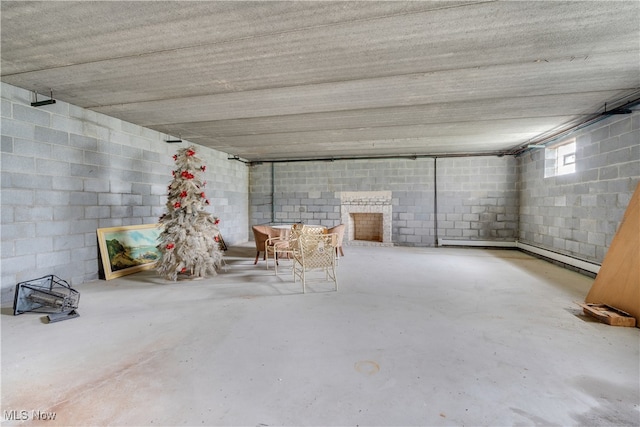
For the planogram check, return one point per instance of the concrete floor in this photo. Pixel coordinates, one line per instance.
(414, 336)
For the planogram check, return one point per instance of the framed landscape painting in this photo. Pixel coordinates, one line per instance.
(128, 249)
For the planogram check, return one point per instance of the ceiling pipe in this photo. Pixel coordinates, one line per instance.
(622, 109)
(390, 157)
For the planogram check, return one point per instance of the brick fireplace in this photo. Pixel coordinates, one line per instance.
(367, 217)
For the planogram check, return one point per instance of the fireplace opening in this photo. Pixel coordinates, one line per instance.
(367, 217)
(367, 226)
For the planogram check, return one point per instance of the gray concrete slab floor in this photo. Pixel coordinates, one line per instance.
(414, 336)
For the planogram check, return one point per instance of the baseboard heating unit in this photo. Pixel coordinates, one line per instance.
(565, 259)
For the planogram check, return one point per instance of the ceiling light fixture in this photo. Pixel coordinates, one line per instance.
(619, 110)
(37, 103)
(172, 141)
(237, 158)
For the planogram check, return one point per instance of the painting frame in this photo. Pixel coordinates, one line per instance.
(142, 233)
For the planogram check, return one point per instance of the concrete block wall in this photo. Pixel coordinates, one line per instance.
(478, 198)
(477, 195)
(66, 171)
(578, 214)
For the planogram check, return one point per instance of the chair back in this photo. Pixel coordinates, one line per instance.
(339, 231)
(313, 229)
(317, 250)
(261, 233)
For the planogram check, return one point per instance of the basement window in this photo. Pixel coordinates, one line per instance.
(560, 159)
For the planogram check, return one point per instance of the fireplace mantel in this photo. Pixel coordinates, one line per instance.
(354, 202)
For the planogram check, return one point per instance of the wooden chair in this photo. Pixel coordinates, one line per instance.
(261, 234)
(285, 245)
(339, 231)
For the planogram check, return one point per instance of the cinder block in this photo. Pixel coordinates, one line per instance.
(96, 212)
(32, 115)
(18, 129)
(29, 181)
(7, 249)
(33, 246)
(454, 232)
(142, 189)
(598, 239)
(94, 185)
(66, 154)
(15, 266)
(6, 108)
(55, 228)
(620, 127)
(109, 222)
(6, 145)
(52, 259)
(85, 226)
(53, 136)
(469, 233)
(618, 156)
(17, 163)
(67, 213)
(120, 187)
(111, 199)
(52, 167)
(132, 152)
(97, 158)
(66, 123)
(83, 198)
(413, 239)
(71, 241)
(137, 176)
(51, 197)
(66, 183)
(588, 250)
(88, 171)
(121, 211)
(33, 214)
(131, 199)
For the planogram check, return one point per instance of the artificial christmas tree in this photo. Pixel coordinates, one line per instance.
(190, 239)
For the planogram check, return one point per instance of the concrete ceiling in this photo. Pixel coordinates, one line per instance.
(310, 80)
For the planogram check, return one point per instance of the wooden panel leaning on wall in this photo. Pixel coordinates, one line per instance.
(618, 281)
